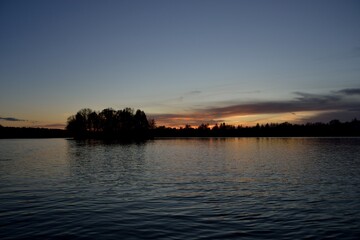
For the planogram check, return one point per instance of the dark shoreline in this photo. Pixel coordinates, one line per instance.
(26, 132)
(334, 128)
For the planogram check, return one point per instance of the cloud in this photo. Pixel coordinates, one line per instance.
(12, 119)
(315, 98)
(303, 102)
(346, 115)
(189, 94)
(349, 91)
(52, 126)
(335, 103)
(193, 92)
(55, 125)
(182, 98)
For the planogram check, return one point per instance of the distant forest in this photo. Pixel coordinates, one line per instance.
(27, 132)
(334, 128)
(128, 124)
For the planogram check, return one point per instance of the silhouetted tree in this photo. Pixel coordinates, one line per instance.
(107, 122)
(94, 122)
(152, 124)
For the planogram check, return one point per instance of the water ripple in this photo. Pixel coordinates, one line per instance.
(302, 188)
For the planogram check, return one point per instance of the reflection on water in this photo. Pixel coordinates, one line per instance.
(211, 188)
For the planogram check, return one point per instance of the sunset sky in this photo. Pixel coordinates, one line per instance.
(182, 62)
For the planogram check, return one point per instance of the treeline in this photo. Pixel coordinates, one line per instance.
(333, 128)
(128, 124)
(123, 124)
(26, 132)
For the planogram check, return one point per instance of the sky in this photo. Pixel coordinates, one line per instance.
(240, 62)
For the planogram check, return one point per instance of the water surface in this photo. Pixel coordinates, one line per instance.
(212, 188)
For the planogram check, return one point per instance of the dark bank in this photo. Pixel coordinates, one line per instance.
(131, 125)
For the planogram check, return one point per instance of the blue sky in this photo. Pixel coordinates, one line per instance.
(181, 62)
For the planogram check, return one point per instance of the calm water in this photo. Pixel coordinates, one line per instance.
(255, 188)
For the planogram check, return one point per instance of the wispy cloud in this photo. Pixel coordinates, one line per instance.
(195, 92)
(316, 98)
(53, 126)
(302, 102)
(349, 91)
(12, 119)
(335, 102)
(346, 115)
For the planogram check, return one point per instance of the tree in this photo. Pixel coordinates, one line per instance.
(107, 117)
(140, 120)
(152, 124)
(94, 122)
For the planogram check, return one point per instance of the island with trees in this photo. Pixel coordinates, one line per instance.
(125, 124)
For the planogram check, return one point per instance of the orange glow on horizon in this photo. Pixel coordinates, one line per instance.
(240, 120)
